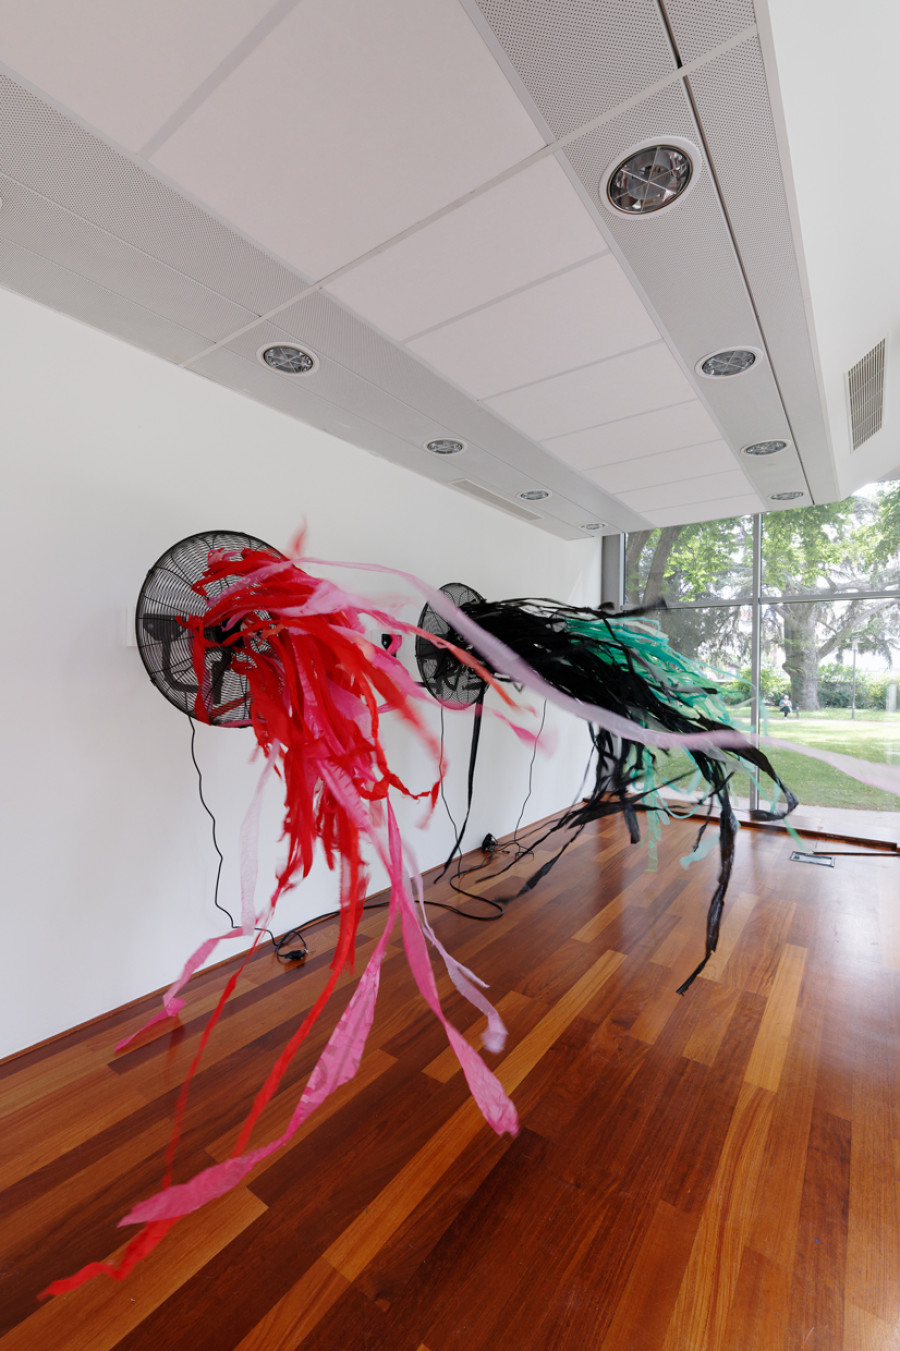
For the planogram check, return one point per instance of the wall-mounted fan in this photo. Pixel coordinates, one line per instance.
(168, 597)
(444, 675)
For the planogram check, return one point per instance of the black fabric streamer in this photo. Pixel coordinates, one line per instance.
(628, 668)
(477, 712)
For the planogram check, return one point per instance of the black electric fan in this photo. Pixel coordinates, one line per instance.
(443, 674)
(448, 679)
(166, 598)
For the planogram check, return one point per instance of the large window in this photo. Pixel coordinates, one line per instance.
(800, 605)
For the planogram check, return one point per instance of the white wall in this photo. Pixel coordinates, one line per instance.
(110, 456)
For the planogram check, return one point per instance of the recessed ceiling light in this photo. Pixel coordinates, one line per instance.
(594, 525)
(730, 361)
(445, 447)
(534, 495)
(288, 358)
(765, 448)
(649, 178)
(785, 497)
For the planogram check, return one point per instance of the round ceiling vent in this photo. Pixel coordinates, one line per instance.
(445, 447)
(650, 177)
(534, 495)
(730, 361)
(785, 497)
(593, 525)
(288, 358)
(765, 448)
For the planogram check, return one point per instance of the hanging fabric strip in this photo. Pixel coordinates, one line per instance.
(317, 685)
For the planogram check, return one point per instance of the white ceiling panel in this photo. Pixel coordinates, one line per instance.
(322, 157)
(509, 236)
(703, 488)
(123, 65)
(712, 458)
(473, 282)
(70, 167)
(720, 509)
(587, 314)
(685, 424)
(620, 387)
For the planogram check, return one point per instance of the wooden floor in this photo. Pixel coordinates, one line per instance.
(713, 1171)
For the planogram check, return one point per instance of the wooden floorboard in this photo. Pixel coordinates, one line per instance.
(698, 1173)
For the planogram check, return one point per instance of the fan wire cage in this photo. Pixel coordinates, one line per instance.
(166, 599)
(443, 674)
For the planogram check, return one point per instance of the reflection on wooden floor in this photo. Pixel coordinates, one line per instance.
(713, 1171)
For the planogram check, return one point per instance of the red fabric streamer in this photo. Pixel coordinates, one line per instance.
(317, 687)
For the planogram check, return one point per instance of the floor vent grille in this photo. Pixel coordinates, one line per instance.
(865, 384)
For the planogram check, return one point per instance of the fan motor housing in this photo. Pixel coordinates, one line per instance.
(168, 598)
(444, 676)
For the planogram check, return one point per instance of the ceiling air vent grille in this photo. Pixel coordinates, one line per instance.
(865, 383)
(494, 499)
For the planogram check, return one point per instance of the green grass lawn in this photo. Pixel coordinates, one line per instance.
(873, 735)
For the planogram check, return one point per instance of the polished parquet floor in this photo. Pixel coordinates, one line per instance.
(713, 1171)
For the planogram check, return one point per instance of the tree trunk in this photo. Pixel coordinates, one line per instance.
(668, 538)
(634, 547)
(800, 656)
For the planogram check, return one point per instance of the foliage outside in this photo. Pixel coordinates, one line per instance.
(814, 559)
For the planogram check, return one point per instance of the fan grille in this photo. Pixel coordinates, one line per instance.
(167, 597)
(443, 675)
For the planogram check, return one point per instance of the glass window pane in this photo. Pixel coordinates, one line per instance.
(719, 638)
(710, 560)
(846, 546)
(839, 663)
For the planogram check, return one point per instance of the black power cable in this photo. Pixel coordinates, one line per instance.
(292, 955)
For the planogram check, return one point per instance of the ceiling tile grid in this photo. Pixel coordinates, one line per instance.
(680, 424)
(516, 232)
(41, 226)
(624, 385)
(340, 386)
(331, 330)
(685, 259)
(721, 509)
(675, 253)
(341, 401)
(56, 157)
(136, 63)
(45, 281)
(698, 26)
(710, 457)
(236, 373)
(477, 286)
(762, 230)
(568, 53)
(585, 315)
(687, 492)
(381, 139)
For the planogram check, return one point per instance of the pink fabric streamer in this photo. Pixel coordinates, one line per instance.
(336, 1065)
(315, 680)
(341, 1057)
(502, 658)
(171, 1004)
(493, 1038)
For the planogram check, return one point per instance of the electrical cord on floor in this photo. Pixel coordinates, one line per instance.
(530, 773)
(491, 848)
